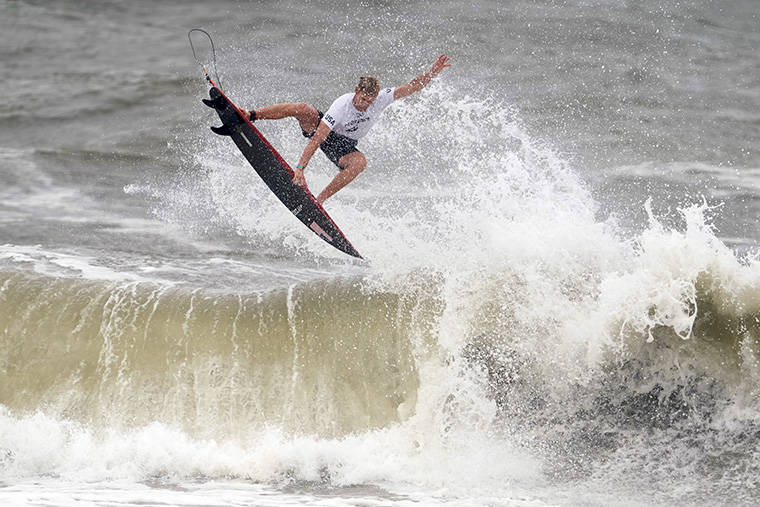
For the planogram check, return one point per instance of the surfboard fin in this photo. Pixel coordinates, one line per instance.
(217, 103)
(224, 130)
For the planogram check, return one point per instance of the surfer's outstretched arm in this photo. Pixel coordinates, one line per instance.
(320, 135)
(421, 81)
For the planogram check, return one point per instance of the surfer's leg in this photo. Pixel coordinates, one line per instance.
(353, 163)
(306, 114)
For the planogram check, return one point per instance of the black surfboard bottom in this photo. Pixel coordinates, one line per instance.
(275, 172)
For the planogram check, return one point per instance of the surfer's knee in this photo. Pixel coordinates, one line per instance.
(361, 161)
(356, 162)
(307, 116)
(304, 111)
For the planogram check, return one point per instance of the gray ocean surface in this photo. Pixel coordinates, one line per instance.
(560, 302)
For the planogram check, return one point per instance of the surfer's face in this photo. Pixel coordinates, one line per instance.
(362, 100)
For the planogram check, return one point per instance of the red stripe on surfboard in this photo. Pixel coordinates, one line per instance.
(287, 167)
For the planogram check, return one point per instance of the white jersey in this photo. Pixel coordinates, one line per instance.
(343, 118)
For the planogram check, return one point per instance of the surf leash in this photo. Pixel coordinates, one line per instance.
(213, 55)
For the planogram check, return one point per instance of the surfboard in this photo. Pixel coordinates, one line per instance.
(275, 172)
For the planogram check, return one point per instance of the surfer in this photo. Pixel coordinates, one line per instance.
(348, 119)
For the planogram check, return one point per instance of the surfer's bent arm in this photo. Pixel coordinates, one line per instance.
(421, 81)
(319, 136)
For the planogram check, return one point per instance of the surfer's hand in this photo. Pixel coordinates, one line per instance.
(298, 177)
(440, 63)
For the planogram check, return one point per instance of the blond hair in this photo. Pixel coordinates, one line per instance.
(369, 85)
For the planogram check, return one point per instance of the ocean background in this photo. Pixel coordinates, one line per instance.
(560, 302)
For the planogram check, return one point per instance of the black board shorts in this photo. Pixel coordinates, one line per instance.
(335, 145)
